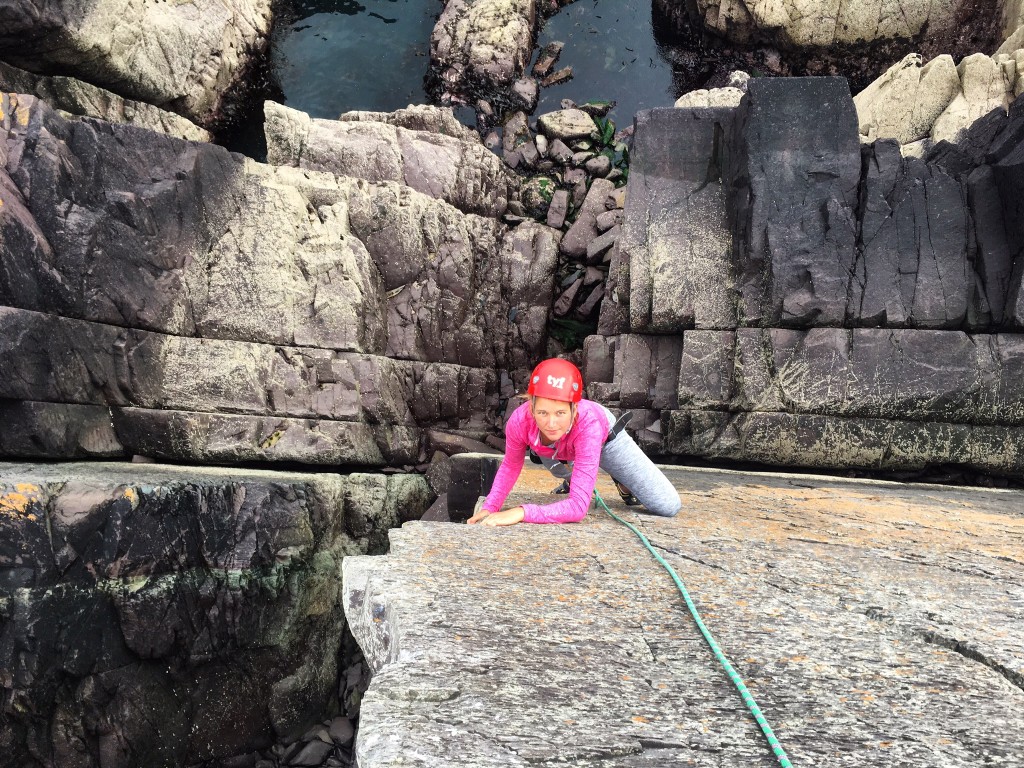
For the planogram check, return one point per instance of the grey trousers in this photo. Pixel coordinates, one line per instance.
(624, 460)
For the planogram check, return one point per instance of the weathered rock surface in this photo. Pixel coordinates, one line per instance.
(480, 47)
(866, 618)
(169, 616)
(812, 24)
(817, 303)
(676, 236)
(224, 379)
(460, 171)
(939, 100)
(224, 268)
(78, 98)
(181, 57)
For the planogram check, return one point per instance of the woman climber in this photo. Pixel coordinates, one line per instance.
(557, 425)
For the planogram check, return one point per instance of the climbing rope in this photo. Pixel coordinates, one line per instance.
(780, 753)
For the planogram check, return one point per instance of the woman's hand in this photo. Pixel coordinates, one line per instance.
(505, 517)
(478, 516)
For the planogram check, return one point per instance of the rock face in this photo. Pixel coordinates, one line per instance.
(169, 616)
(458, 170)
(859, 614)
(188, 264)
(813, 24)
(178, 56)
(782, 295)
(75, 97)
(939, 100)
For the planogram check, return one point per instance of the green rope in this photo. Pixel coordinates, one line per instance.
(755, 710)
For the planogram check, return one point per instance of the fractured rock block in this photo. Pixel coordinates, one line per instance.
(458, 170)
(676, 234)
(797, 167)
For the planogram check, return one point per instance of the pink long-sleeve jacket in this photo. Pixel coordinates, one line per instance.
(582, 445)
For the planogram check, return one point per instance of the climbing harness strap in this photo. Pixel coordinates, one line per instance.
(748, 699)
(618, 426)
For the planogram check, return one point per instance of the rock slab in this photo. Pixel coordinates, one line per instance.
(868, 619)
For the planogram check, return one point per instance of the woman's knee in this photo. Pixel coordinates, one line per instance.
(669, 508)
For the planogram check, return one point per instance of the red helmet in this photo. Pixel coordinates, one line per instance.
(556, 379)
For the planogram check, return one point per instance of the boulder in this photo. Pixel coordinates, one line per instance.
(567, 124)
(181, 57)
(460, 171)
(904, 103)
(418, 117)
(814, 25)
(715, 97)
(159, 615)
(480, 47)
(78, 98)
(983, 88)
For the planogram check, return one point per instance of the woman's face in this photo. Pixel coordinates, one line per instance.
(553, 417)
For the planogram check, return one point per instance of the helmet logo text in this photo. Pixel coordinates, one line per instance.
(558, 383)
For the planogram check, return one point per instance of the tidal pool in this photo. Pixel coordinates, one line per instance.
(341, 55)
(333, 56)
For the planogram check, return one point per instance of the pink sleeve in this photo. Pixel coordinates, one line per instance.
(511, 463)
(581, 485)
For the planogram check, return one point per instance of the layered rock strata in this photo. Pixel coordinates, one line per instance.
(874, 623)
(780, 294)
(180, 267)
(171, 616)
(181, 57)
(77, 98)
(455, 169)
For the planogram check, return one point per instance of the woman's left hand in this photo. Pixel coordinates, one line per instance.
(505, 517)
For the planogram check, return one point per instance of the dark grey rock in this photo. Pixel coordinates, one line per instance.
(797, 167)
(598, 166)
(584, 229)
(597, 249)
(676, 239)
(191, 613)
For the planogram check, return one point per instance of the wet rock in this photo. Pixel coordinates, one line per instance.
(478, 48)
(524, 93)
(177, 57)
(597, 108)
(547, 57)
(516, 131)
(79, 98)
(567, 124)
(37, 430)
(562, 75)
(460, 171)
